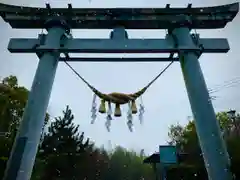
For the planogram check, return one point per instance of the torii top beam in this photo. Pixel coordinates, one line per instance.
(130, 18)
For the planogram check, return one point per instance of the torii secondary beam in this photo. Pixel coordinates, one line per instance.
(117, 59)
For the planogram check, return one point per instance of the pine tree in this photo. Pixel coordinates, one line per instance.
(63, 148)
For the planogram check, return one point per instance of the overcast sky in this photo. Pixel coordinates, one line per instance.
(166, 101)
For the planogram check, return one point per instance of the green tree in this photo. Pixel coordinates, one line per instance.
(94, 164)
(13, 99)
(186, 140)
(128, 165)
(63, 148)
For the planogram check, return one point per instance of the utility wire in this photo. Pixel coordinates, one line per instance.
(225, 87)
(228, 84)
(236, 79)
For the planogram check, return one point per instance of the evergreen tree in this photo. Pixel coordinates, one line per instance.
(63, 148)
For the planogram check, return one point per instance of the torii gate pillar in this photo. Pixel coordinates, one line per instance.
(213, 148)
(23, 154)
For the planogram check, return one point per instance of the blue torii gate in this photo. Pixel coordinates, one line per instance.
(189, 47)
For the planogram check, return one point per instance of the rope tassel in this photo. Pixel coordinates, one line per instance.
(102, 108)
(134, 107)
(117, 112)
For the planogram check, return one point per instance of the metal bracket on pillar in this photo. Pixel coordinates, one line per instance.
(42, 39)
(172, 38)
(119, 33)
(196, 38)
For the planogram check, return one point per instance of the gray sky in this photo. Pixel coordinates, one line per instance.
(166, 101)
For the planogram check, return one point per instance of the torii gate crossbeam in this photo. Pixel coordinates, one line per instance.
(178, 22)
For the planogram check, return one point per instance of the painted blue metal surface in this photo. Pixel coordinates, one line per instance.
(33, 118)
(109, 59)
(213, 148)
(119, 46)
(168, 155)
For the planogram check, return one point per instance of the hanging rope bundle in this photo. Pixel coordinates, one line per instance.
(118, 99)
